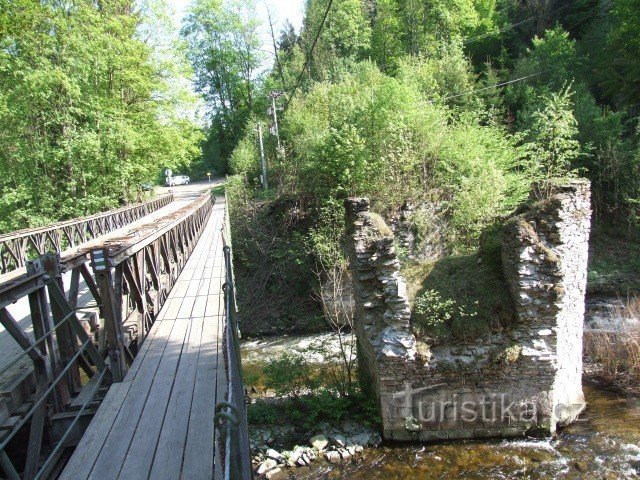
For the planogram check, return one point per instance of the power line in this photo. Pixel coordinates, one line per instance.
(515, 80)
(527, 20)
(310, 53)
(503, 29)
(497, 85)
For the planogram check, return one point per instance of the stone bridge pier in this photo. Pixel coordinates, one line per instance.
(459, 390)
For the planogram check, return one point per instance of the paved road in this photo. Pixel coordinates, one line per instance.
(9, 349)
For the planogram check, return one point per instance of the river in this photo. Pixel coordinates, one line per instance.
(603, 444)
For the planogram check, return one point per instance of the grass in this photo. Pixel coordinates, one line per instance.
(380, 225)
(469, 291)
(218, 190)
(614, 264)
(617, 351)
(306, 412)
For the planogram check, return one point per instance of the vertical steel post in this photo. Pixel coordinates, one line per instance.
(67, 344)
(112, 324)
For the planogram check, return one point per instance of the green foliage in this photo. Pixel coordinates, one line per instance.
(345, 37)
(445, 77)
(224, 49)
(263, 413)
(551, 62)
(553, 146)
(288, 374)
(432, 312)
(427, 23)
(448, 300)
(308, 411)
(245, 158)
(623, 63)
(374, 135)
(326, 237)
(90, 107)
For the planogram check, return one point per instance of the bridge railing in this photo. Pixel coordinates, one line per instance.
(16, 247)
(231, 415)
(64, 364)
(56, 401)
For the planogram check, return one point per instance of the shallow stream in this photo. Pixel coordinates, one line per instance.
(603, 444)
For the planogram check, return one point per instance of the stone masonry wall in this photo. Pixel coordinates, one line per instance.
(510, 383)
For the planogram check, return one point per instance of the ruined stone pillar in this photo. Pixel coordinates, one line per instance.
(544, 256)
(513, 381)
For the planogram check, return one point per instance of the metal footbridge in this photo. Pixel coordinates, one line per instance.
(118, 346)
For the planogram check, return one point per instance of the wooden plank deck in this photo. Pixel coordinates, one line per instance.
(158, 422)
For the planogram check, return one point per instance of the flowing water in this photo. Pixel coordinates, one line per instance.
(603, 444)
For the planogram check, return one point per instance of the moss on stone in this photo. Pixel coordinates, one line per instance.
(509, 355)
(380, 225)
(474, 282)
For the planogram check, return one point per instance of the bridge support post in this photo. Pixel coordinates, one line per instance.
(112, 325)
(67, 344)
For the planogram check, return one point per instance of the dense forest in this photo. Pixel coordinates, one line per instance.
(91, 106)
(456, 107)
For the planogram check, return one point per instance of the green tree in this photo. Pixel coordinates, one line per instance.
(620, 76)
(87, 109)
(386, 35)
(345, 37)
(553, 146)
(224, 49)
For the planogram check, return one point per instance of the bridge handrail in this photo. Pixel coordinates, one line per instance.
(232, 414)
(15, 246)
(145, 267)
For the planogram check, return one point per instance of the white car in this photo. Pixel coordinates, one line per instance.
(177, 180)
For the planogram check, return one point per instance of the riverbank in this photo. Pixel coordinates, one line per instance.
(606, 439)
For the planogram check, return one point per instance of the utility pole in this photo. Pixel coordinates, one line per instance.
(265, 185)
(273, 129)
(274, 115)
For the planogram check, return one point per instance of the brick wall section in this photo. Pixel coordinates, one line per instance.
(470, 390)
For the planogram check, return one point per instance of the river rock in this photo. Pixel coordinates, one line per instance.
(319, 442)
(268, 464)
(272, 472)
(375, 440)
(295, 455)
(361, 439)
(275, 455)
(344, 453)
(333, 456)
(338, 440)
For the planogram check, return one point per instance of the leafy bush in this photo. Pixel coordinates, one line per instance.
(373, 135)
(289, 374)
(245, 158)
(433, 312)
(263, 413)
(448, 300)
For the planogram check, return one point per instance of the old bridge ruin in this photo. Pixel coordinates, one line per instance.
(459, 390)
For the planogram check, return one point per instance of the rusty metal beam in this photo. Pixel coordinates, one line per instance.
(14, 246)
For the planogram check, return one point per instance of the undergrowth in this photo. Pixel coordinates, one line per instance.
(616, 350)
(460, 296)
